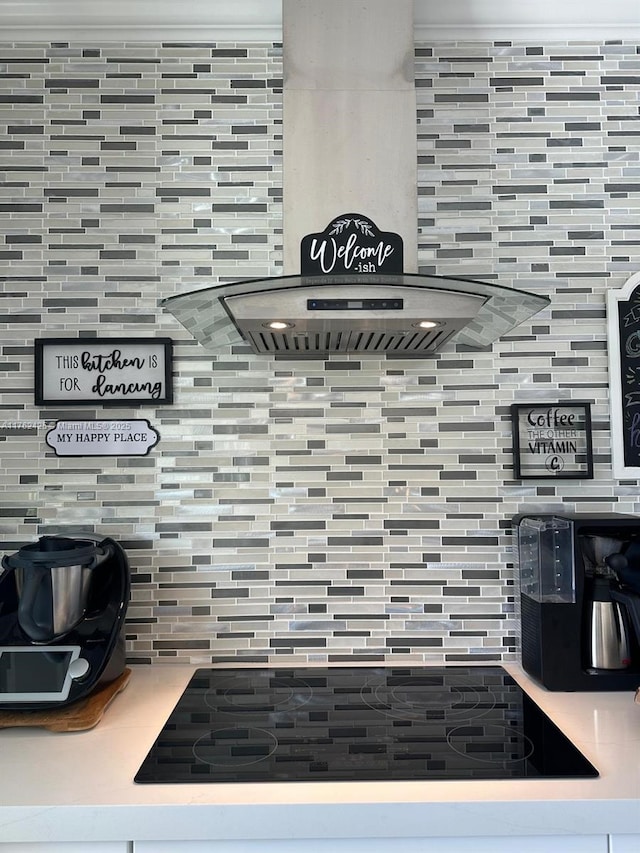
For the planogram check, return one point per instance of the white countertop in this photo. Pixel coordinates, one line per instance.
(79, 786)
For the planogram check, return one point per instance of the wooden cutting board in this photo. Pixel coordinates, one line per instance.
(76, 717)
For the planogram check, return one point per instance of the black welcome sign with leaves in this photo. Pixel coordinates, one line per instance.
(351, 244)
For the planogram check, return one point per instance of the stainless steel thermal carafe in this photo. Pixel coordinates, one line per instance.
(608, 634)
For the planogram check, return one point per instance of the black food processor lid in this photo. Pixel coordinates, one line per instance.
(54, 551)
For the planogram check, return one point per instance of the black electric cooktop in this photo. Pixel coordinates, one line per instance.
(357, 724)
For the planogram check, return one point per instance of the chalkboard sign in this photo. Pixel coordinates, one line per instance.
(352, 244)
(623, 319)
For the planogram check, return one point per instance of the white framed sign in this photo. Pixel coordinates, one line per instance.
(102, 438)
(109, 371)
(623, 331)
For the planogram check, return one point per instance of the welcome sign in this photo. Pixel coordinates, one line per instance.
(351, 244)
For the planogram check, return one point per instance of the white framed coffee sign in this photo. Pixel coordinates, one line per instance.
(108, 371)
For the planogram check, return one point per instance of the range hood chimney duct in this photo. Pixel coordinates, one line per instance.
(350, 144)
(350, 123)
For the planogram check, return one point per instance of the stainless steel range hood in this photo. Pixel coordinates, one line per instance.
(350, 143)
(470, 312)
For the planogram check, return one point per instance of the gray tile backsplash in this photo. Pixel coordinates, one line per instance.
(339, 510)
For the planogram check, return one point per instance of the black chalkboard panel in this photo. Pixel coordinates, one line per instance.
(629, 326)
(623, 309)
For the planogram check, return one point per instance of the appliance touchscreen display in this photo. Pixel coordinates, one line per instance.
(37, 673)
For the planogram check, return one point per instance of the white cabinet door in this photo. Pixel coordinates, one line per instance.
(503, 844)
(625, 843)
(66, 847)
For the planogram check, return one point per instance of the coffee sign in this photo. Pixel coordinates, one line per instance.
(108, 371)
(351, 244)
(552, 440)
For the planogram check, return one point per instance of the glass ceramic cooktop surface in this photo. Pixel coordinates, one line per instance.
(356, 724)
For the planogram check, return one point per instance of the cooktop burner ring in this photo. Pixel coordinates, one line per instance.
(245, 694)
(428, 696)
(214, 747)
(477, 743)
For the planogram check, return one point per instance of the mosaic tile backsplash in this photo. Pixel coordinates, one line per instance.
(353, 509)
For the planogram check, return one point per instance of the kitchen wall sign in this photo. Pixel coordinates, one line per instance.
(109, 371)
(623, 322)
(552, 440)
(351, 243)
(102, 438)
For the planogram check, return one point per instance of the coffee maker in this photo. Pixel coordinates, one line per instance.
(580, 600)
(63, 603)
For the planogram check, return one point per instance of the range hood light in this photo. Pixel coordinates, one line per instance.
(278, 325)
(428, 324)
